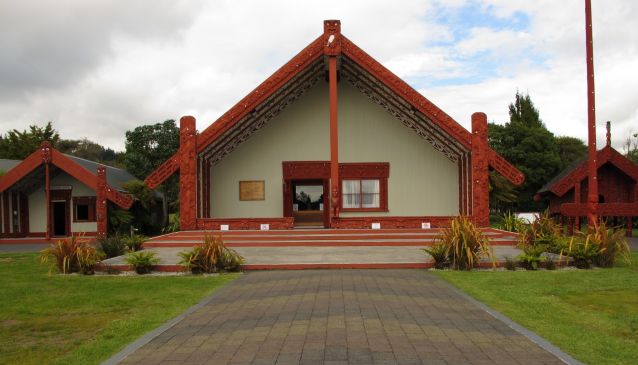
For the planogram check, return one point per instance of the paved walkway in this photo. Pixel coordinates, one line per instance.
(340, 317)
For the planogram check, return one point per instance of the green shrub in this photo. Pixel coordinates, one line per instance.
(134, 242)
(466, 244)
(440, 254)
(543, 231)
(531, 256)
(210, 256)
(583, 252)
(510, 222)
(550, 264)
(73, 254)
(511, 263)
(173, 223)
(113, 246)
(142, 261)
(612, 244)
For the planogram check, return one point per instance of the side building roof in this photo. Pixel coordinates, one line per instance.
(82, 170)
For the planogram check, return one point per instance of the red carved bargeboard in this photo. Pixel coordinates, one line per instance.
(480, 183)
(604, 209)
(389, 222)
(187, 174)
(244, 223)
(100, 202)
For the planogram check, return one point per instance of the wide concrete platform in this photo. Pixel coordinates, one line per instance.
(263, 258)
(340, 317)
(318, 248)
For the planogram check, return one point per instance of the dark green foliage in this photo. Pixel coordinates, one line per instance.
(440, 254)
(134, 243)
(71, 255)
(583, 252)
(511, 263)
(503, 194)
(142, 261)
(611, 241)
(147, 147)
(210, 256)
(570, 149)
(550, 264)
(88, 150)
(119, 220)
(147, 211)
(531, 256)
(113, 246)
(465, 243)
(18, 145)
(525, 142)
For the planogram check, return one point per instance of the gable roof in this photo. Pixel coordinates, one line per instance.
(577, 171)
(6, 165)
(115, 177)
(83, 170)
(300, 73)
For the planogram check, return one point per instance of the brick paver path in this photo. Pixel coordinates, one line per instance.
(340, 317)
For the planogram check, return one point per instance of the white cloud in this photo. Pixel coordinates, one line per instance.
(100, 68)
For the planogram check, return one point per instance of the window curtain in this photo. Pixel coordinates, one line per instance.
(370, 194)
(351, 194)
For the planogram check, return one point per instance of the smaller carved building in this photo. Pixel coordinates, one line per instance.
(617, 189)
(50, 194)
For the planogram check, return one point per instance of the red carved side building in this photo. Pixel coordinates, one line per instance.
(617, 189)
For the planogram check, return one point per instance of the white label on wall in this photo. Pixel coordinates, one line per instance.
(320, 206)
(295, 207)
(224, 227)
(425, 225)
(376, 225)
(265, 227)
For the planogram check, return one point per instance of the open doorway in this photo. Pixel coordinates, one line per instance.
(60, 218)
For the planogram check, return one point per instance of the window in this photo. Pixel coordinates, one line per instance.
(84, 209)
(361, 194)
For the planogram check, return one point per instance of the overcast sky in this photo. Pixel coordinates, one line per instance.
(99, 68)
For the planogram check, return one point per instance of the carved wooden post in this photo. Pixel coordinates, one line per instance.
(332, 49)
(592, 166)
(578, 201)
(187, 174)
(480, 187)
(101, 202)
(45, 153)
(629, 226)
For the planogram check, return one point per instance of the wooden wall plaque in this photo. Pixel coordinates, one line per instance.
(252, 190)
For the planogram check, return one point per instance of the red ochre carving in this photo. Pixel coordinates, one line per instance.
(245, 223)
(480, 187)
(187, 173)
(100, 201)
(389, 222)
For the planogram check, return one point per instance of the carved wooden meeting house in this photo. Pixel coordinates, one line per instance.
(332, 139)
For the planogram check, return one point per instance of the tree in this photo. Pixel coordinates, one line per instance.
(16, 145)
(525, 142)
(87, 149)
(570, 149)
(147, 147)
(631, 147)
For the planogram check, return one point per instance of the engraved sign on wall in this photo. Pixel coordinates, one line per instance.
(252, 190)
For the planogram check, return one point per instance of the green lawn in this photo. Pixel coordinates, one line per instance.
(72, 319)
(590, 314)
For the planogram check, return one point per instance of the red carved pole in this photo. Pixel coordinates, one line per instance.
(187, 173)
(101, 202)
(578, 200)
(608, 134)
(592, 196)
(332, 48)
(480, 187)
(45, 152)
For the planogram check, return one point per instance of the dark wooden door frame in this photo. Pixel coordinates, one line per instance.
(58, 196)
(299, 171)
